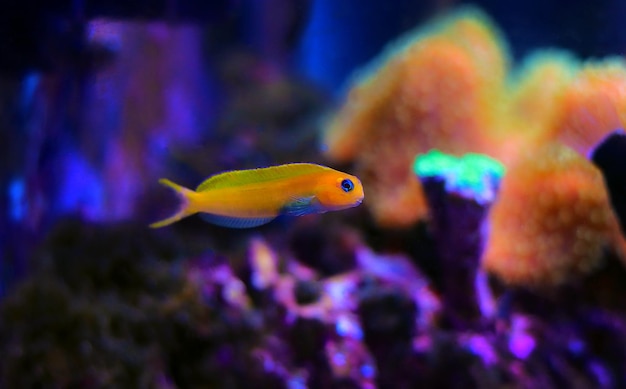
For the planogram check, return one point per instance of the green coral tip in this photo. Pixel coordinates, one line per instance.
(473, 175)
(433, 163)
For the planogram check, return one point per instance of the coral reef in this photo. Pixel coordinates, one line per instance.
(350, 301)
(398, 112)
(537, 86)
(108, 310)
(459, 193)
(534, 91)
(126, 307)
(593, 105)
(552, 219)
(448, 86)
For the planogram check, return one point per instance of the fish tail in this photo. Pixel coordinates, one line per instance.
(185, 209)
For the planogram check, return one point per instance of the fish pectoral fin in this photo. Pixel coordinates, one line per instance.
(302, 206)
(235, 222)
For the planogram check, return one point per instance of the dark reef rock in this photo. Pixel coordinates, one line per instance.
(329, 250)
(610, 157)
(115, 307)
(307, 292)
(122, 306)
(388, 319)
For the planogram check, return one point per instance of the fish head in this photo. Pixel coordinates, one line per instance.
(339, 191)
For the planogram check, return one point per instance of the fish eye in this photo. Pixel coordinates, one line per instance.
(347, 185)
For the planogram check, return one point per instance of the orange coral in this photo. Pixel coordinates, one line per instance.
(347, 129)
(594, 104)
(534, 93)
(539, 86)
(532, 96)
(438, 91)
(551, 221)
(445, 87)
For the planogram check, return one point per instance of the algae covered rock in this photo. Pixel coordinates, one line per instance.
(113, 307)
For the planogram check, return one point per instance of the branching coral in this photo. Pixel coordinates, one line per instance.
(438, 89)
(551, 221)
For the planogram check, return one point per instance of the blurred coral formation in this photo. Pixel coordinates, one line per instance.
(440, 87)
(489, 251)
(558, 234)
(447, 86)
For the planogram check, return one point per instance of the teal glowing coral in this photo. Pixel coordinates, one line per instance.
(473, 175)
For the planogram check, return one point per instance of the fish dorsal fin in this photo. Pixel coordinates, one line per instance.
(243, 177)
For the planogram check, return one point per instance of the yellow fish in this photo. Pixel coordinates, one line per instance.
(250, 198)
